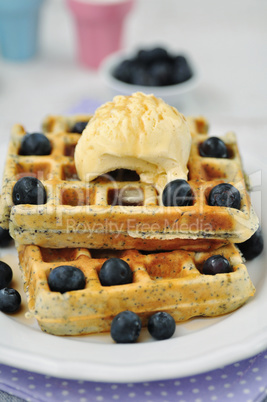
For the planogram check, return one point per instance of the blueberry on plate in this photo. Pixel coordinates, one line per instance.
(35, 144)
(79, 126)
(115, 271)
(10, 300)
(125, 327)
(5, 238)
(216, 264)
(225, 195)
(177, 193)
(66, 278)
(213, 147)
(29, 190)
(252, 247)
(6, 275)
(161, 325)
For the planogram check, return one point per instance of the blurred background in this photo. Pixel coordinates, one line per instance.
(227, 42)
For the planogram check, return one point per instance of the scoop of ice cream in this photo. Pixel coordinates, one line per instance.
(138, 132)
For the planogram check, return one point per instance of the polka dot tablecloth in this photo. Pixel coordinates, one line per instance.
(245, 381)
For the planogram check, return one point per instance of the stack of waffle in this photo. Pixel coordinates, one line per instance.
(83, 224)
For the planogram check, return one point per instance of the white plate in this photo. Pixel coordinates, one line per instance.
(197, 346)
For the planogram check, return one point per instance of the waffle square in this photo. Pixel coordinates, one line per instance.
(168, 281)
(118, 211)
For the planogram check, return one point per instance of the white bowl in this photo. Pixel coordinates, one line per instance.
(169, 93)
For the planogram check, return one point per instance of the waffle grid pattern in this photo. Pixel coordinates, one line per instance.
(168, 281)
(86, 214)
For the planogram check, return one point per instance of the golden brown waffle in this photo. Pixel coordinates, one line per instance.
(121, 213)
(170, 281)
(54, 124)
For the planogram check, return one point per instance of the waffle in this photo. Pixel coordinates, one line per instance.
(55, 123)
(169, 281)
(119, 211)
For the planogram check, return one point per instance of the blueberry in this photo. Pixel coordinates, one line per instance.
(29, 190)
(182, 71)
(10, 300)
(177, 193)
(252, 247)
(216, 264)
(125, 327)
(115, 271)
(6, 275)
(35, 144)
(213, 147)
(151, 55)
(123, 71)
(79, 126)
(140, 76)
(224, 195)
(132, 72)
(153, 67)
(5, 238)
(161, 73)
(161, 325)
(66, 278)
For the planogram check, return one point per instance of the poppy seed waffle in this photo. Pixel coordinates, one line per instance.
(119, 211)
(169, 281)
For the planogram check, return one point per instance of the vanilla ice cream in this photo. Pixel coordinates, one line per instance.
(138, 132)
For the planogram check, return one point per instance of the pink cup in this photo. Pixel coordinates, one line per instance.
(99, 28)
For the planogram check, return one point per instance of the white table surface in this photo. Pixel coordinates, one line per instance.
(227, 40)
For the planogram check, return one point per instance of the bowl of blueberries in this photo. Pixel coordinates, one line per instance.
(155, 70)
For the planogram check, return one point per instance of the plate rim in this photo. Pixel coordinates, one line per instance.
(65, 365)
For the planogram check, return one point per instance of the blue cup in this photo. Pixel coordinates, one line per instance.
(19, 22)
